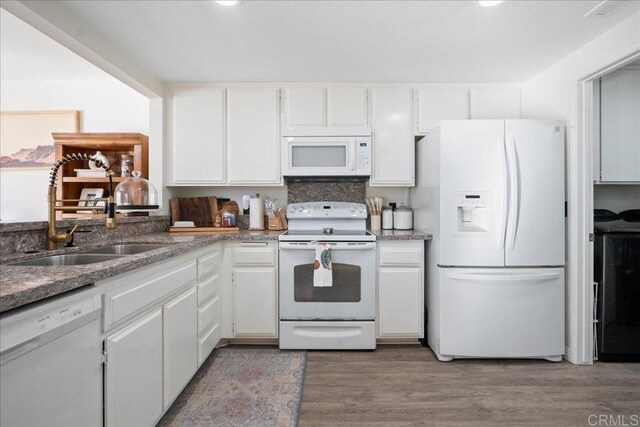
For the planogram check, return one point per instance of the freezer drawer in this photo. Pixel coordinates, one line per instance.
(502, 312)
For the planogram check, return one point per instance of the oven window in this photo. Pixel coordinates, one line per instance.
(346, 284)
(309, 156)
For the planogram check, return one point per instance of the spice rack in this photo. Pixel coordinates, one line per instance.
(112, 145)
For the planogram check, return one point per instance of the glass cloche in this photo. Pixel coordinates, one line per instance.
(135, 194)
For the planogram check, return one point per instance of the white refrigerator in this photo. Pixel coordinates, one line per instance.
(492, 194)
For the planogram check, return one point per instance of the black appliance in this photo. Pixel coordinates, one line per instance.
(617, 277)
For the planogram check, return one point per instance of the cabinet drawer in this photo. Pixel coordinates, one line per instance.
(207, 314)
(120, 303)
(208, 288)
(254, 256)
(398, 255)
(208, 263)
(208, 342)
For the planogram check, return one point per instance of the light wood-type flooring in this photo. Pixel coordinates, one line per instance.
(395, 386)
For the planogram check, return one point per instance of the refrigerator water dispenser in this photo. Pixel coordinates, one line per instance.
(471, 213)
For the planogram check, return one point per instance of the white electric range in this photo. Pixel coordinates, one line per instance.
(341, 316)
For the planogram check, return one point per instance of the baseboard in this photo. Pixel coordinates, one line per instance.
(397, 341)
(249, 341)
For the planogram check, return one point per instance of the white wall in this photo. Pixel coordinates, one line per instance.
(106, 105)
(554, 94)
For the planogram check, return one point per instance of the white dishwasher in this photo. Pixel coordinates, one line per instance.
(50, 363)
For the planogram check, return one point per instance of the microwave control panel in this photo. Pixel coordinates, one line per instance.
(363, 156)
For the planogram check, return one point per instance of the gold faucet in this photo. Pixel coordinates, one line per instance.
(53, 237)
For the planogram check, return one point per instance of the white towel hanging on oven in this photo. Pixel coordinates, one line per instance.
(322, 273)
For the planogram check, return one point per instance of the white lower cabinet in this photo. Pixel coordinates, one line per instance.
(133, 376)
(180, 343)
(157, 334)
(400, 289)
(255, 301)
(253, 290)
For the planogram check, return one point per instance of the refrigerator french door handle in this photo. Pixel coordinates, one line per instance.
(505, 191)
(514, 192)
(504, 277)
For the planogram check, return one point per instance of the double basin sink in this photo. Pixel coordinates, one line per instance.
(91, 256)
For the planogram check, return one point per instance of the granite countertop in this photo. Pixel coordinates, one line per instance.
(401, 235)
(21, 285)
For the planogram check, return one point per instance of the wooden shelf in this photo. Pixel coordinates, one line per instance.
(112, 145)
(89, 179)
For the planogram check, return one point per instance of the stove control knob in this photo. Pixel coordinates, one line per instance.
(292, 208)
(301, 209)
(361, 209)
(352, 208)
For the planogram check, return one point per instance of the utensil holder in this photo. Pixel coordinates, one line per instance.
(375, 222)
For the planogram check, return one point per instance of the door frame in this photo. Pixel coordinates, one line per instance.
(584, 349)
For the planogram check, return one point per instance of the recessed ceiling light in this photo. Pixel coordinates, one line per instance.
(228, 2)
(489, 3)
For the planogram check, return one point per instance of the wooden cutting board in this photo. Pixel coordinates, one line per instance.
(203, 229)
(201, 210)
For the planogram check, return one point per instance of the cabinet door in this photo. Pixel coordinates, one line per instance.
(495, 103)
(255, 302)
(134, 373)
(180, 343)
(434, 105)
(253, 141)
(400, 302)
(392, 137)
(620, 126)
(304, 106)
(347, 106)
(198, 135)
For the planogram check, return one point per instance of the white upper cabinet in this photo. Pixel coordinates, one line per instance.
(495, 103)
(320, 107)
(347, 106)
(620, 126)
(198, 135)
(253, 136)
(304, 106)
(433, 105)
(393, 146)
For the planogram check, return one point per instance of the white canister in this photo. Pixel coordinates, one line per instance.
(387, 218)
(403, 218)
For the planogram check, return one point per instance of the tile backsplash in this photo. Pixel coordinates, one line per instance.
(300, 192)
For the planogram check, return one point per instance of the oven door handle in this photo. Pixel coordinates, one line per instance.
(335, 246)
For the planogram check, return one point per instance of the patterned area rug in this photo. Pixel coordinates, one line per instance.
(242, 386)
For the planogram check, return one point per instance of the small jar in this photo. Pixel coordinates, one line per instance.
(387, 218)
(228, 219)
(126, 166)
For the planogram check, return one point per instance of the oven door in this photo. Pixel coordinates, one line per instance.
(318, 156)
(352, 295)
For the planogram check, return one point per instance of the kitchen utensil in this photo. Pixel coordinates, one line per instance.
(403, 218)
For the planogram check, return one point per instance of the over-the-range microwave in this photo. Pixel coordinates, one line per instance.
(326, 155)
